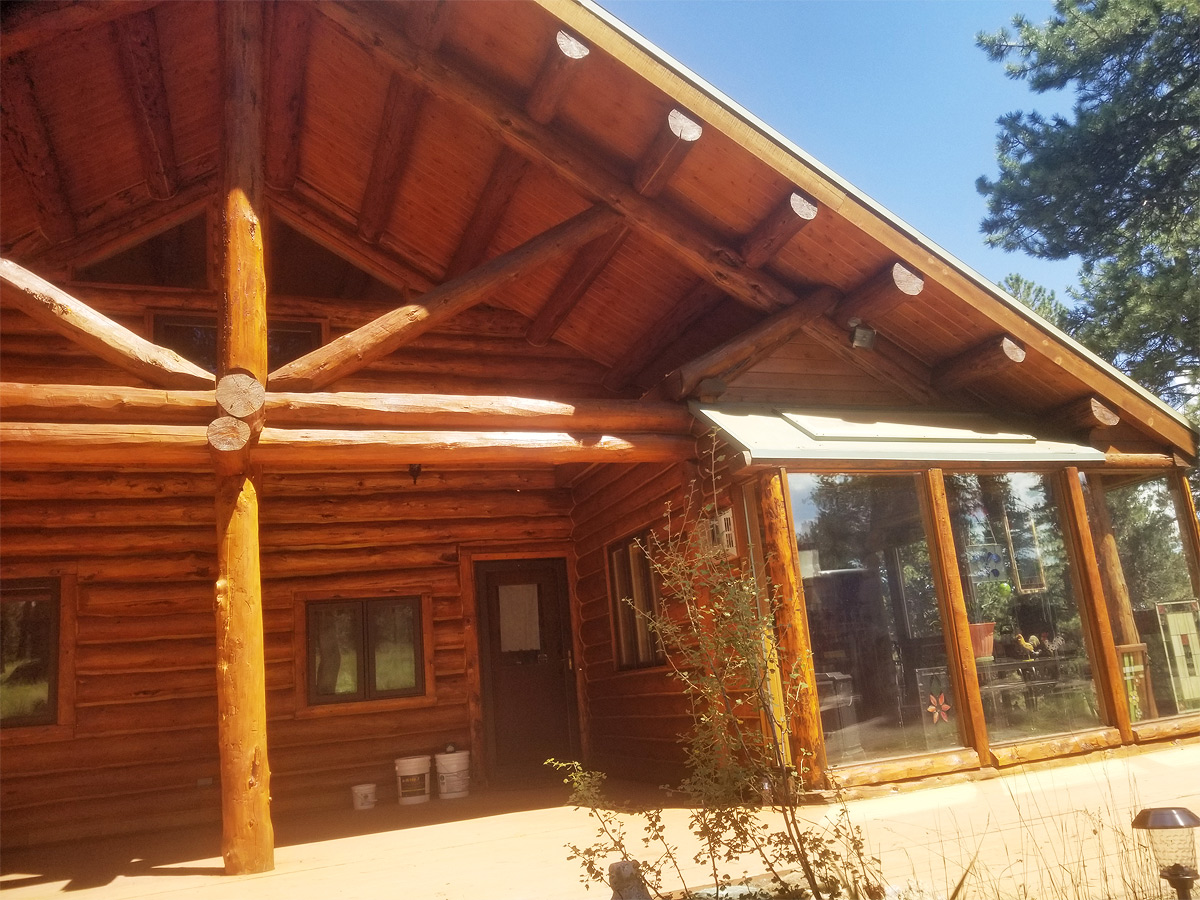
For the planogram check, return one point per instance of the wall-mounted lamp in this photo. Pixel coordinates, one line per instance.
(1173, 844)
(862, 336)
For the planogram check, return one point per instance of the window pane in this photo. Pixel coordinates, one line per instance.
(28, 655)
(633, 601)
(1155, 617)
(878, 648)
(334, 639)
(394, 629)
(1034, 673)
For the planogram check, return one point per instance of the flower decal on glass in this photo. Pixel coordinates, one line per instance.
(938, 707)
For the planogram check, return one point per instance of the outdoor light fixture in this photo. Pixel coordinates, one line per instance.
(1173, 844)
(862, 337)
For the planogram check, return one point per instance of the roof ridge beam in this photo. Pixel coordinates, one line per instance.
(558, 68)
(136, 37)
(364, 345)
(114, 343)
(25, 134)
(703, 253)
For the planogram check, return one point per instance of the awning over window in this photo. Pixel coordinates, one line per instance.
(780, 435)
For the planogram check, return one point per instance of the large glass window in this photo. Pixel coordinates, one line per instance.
(1027, 637)
(29, 652)
(877, 638)
(364, 649)
(1155, 615)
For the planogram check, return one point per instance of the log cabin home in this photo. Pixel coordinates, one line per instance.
(349, 349)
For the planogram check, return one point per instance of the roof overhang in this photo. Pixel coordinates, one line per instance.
(783, 436)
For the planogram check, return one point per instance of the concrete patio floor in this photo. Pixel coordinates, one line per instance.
(1057, 832)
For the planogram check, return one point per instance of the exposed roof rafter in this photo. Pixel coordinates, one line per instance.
(136, 37)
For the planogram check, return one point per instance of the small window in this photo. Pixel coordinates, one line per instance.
(29, 652)
(370, 649)
(194, 337)
(634, 601)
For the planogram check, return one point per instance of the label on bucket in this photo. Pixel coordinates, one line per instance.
(412, 785)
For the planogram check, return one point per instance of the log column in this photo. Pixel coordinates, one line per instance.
(247, 837)
(791, 619)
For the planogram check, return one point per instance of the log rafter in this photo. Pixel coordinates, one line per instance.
(397, 130)
(892, 285)
(112, 342)
(364, 345)
(988, 358)
(561, 64)
(291, 28)
(675, 139)
(136, 38)
(704, 254)
(30, 25)
(25, 134)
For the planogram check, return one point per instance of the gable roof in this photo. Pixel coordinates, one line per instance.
(417, 140)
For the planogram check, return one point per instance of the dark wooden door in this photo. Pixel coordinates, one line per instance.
(528, 677)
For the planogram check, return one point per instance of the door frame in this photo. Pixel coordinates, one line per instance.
(468, 556)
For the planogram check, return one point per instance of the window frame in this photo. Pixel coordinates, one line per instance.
(62, 725)
(642, 649)
(307, 706)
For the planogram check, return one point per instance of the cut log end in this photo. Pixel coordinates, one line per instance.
(907, 280)
(570, 46)
(804, 206)
(241, 395)
(229, 435)
(683, 127)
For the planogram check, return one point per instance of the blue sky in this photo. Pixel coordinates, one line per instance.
(893, 95)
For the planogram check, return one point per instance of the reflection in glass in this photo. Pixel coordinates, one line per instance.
(335, 638)
(878, 647)
(1027, 636)
(1155, 616)
(28, 653)
(392, 630)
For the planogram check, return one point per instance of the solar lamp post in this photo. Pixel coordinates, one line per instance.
(1173, 844)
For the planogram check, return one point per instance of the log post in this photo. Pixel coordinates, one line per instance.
(1093, 611)
(1189, 524)
(247, 836)
(953, 607)
(806, 739)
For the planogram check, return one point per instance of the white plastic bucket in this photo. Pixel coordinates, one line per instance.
(363, 795)
(453, 774)
(412, 779)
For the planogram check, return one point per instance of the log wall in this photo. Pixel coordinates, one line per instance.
(143, 749)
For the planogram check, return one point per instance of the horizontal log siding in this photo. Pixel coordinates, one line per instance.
(634, 717)
(143, 750)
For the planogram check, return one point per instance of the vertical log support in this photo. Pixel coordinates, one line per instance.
(1189, 524)
(247, 836)
(1110, 686)
(806, 739)
(953, 607)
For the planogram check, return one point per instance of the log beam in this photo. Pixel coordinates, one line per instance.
(541, 104)
(58, 310)
(291, 27)
(184, 447)
(397, 130)
(364, 345)
(69, 403)
(704, 254)
(136, 37)
(773, 232)
(587, 265)
(884, 291)
(247, 835)
(991, 357)
(749, 346)
(25, 135)
(1085, 413)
